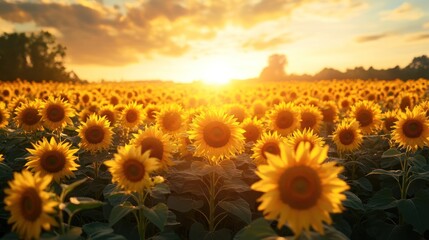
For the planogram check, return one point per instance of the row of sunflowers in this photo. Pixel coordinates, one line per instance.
(327, 159)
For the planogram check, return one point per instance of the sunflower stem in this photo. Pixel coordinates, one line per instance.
(212, 205)
(142, 220)
(404, 182)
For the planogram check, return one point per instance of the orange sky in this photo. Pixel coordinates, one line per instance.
(215, 41)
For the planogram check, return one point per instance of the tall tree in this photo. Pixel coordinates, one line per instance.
(275, 71)
(34, 57)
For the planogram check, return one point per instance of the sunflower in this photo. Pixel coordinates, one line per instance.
(1, 158)
(368, 114)
(259, 108)
(329, 111)
(424, 107)
(132, 115)
(253, 129)
(130, 168)
(4, 116)
(216, 135)
(96, 134)
(56, 113)
(30, 206)
(411, 131)
(268, 143)
(389, 120)
(285, 118)
(306, 135)
(170, 119)
(52, 158)
(348, 136)
(28, 116)
(298, 189)
(109, 113)
(158, 143)
(151, 110)
(311, 117)
(238, 111)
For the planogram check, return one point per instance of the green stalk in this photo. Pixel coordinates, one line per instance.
(212, 206)
(141, 220)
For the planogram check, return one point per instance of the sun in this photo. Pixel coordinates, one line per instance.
(217, 71)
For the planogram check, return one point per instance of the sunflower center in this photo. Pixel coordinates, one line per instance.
(31, 204)
(172, 121)
(252, 133)
(53, 161)
(134, 170)
(300, 187)
(270, 147)
(389, 123)
(131, 116)
(109, 115)
(364, 117)
(347, 136)
(412, 128)
(308, 120)
(55, 113)
(85, 98)
(328, 114)
(284, 119)
(154, 145)
(94, 134)
(30, 116)
(216, 134)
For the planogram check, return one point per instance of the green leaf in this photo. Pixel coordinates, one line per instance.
(77, 204)
(198, 232)
(73, 234)
(240, 208)
(200, 168)
(157, 215)
(256, 230)
(391, 173)
(183, 204)
(68, 188)
(100, 231)
(353, 201)
(415, 211)
(382, 200)
(391, 153)
(120, 211)
(235, 185)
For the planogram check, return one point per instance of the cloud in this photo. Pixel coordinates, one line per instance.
(101, 34)
(370, 38)
(426, 25)
(266, 43)
(421, 36)
(404, 12)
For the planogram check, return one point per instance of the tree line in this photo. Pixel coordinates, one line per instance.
(418, 68)
(33, 57)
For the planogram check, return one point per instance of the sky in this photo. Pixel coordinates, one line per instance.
(217, 40)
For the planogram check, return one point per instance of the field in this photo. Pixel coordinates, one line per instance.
(304, 160)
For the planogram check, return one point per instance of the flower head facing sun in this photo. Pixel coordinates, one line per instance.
(307, 135)
(368, 114)
(285, 118)
(132, 115)
(56, 113)
(348, 136)
(170, 119)
(96, 134)
(30, 205)
(53, 159)
(216, 135)
(131, 169)
(158, 143)
(268, 143)
(4, 115)
(299, 189)
(253, 129)
(28, 117)
(411, 131)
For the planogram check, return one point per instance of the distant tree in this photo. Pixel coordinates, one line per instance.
(34, 57)
(275, 71)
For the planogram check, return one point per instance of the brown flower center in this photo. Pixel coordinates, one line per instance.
(94, 134)
(238, 113)
(252, 133)
(412, 128)
(284, 119)
(55, 113)
(172, 121)
(364, 117)
(154, 145)
(216, 134)
(109, 115)
(389, 123)
(53, 161)
(132, 116)
(114, 101)
(346, 136)
(30, 204)
(300, 187)
(308, 120)
(134, 170)
(270, 147)
(30, 116)
(328, 114)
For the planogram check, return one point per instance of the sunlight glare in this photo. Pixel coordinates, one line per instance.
(217, 72)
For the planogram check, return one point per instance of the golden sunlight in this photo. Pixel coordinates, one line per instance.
(217, 70)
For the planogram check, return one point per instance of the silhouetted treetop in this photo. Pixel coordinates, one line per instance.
(33, 57)
(275, 69)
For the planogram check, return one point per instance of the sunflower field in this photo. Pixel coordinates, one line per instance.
(294, 160)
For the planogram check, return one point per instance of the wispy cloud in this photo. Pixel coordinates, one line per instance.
(370, 38)
(404, 12)
(265, 43)
(421, 36)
